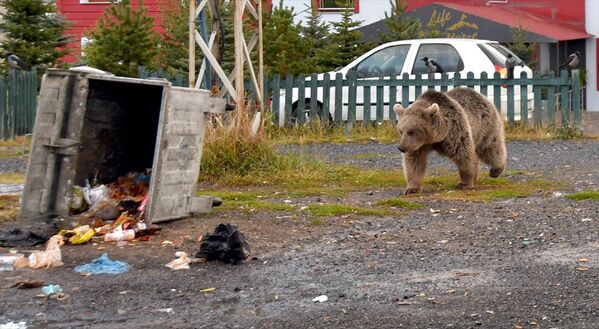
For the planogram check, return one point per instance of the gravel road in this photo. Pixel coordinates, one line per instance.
(518, 263)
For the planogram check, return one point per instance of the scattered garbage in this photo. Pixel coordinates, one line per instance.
(226, 244)
(51, 257)
(29, 235)
(320, 299)
(51, 289)
(181, 263)
(165, 310)
(7, 260)
(103, 265)
(206, 290)
(27, 284)
(79, 235)
(123, 235)
(114, 211)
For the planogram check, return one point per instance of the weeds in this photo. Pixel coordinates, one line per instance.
(584, 195)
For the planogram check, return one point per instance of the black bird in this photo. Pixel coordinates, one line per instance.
(16, 63)
(573, 60)
(432, 65)
(510, 63)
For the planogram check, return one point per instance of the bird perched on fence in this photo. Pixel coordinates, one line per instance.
(16, 63)
(510, 64)
(573, 61)
(432, 65)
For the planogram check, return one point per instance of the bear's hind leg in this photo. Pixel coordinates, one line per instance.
(496, 157)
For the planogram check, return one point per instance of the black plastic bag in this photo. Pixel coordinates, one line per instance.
(226, 244)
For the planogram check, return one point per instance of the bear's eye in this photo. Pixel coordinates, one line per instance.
(411, 133)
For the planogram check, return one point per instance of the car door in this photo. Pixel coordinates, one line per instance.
(386, 62)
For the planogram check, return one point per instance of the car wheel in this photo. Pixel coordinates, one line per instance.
(306, 115)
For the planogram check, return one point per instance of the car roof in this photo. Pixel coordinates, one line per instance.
(439, 40)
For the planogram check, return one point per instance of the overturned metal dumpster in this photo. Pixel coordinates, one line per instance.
(94, 126)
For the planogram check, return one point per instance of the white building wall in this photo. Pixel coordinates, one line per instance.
(592, 27)
(371, 11)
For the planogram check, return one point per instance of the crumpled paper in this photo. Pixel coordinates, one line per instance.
(181, 263)
(51, 257)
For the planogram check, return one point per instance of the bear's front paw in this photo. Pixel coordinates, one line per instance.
(411, 190)
(464, 186)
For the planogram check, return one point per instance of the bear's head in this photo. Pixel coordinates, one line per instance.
(417, 125)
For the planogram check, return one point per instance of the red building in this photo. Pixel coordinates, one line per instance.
(84, 14)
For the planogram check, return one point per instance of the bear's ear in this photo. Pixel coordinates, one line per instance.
(398, 109)
(433, 112)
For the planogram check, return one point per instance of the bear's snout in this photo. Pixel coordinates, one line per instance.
(401, 149)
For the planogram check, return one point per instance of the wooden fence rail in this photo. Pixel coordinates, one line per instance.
(350, 99)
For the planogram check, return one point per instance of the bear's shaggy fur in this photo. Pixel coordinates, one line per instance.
(460, 124)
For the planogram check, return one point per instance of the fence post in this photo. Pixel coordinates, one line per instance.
(338, 97)
(576, 97)
(366, 107)
(523, 99)
(405, 91)
(380, 101)
(551, 101)
(326, 97)
(497, 91)
(300, 108)
(483, 83)
(352, 78)
(392, 98)
(538, 108)
(276, 97)
(565, 108)
(288, 96)
(313, 95)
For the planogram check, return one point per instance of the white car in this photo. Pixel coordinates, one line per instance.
(406, 56)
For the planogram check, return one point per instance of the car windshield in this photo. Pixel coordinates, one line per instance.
(497, 53)
(385, 62)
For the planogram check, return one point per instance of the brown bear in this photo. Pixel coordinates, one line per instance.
(460, 124)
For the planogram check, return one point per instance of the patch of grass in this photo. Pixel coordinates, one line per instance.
(241, 196)
(14, 148)
(340, 209)
(256, 205)
(491, 189)
(584, 195)
(9, 207)
(12, 178)
(382, 133)
(317, 222)
(400, 203)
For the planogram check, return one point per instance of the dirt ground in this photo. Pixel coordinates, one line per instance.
(515, 263)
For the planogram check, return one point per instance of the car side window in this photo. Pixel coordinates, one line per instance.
(385, 62)
(446, 55)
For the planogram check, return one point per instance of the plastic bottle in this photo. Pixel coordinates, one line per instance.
(124, 235)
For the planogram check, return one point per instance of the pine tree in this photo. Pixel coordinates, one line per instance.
(401, 27)
(315, 34)
(285, 50)
(174, 46)
(344, 43)
(523, 49)
(34, 31)
(122, 40)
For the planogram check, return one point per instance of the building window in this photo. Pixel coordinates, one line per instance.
(337, 5)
